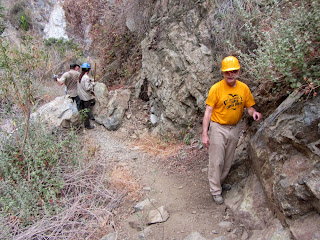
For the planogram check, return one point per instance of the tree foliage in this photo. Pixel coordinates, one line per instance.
(288, 42)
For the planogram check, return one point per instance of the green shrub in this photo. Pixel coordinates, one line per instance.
(19, 17)
(45, 179)
(61, 43)
(32, 159)
(63, 47)
(84, 114)
(30, 183)
(287, 40)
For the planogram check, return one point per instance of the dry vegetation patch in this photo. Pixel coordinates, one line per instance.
(157, 147)
(122, 180)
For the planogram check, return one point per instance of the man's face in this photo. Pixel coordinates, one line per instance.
(230, 77)
(77, 68)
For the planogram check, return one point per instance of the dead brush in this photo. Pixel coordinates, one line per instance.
(157, 147)
(91, 148)
(122, 180)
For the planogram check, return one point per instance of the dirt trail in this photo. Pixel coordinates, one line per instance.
(178, 184)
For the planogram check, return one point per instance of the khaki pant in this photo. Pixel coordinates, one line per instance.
(223, 143)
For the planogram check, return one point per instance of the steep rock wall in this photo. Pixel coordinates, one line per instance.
(56, 27)
(177, 62)
(285, 153)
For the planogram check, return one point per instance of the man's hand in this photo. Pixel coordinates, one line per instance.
(253, 113)
(257, 116)
(205, 140)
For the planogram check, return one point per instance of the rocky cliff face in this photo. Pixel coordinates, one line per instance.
(285, 154)
(48, 18)
(177, 62)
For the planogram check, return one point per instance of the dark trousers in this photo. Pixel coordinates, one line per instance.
(77, 101)
(87, 105)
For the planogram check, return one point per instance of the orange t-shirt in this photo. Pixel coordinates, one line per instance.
(228, 102)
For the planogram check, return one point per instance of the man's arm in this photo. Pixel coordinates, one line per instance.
(205, 126)
(62, 79)
(253, 113)
(59, 81)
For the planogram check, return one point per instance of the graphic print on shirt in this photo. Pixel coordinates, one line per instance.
(233, 101)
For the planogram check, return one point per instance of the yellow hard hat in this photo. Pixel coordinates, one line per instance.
(229, 64)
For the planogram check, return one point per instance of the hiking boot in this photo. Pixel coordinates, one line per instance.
(90, 127)
(217, 199)
(226, 187)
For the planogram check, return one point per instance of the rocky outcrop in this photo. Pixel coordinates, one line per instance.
(250, 208)
(275, 230)
(56, 27)
(62, 112)
(117, 107)
(285, 154)
(49, 22)
(177, 63)
(248, 203)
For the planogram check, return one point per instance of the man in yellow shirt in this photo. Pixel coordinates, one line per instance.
(225, 103)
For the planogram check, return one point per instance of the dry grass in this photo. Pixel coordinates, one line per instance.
(122, 181)
(157, 147)
(91, 148)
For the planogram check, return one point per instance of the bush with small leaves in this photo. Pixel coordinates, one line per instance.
(287, 46)
(31, 182)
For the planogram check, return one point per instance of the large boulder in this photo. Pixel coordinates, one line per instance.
(249, 205)
(117, 107)
(285, 155)
(275, 230)
(61, 112)
(100, 109)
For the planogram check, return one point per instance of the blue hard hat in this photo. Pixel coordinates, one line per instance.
(85, 65)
